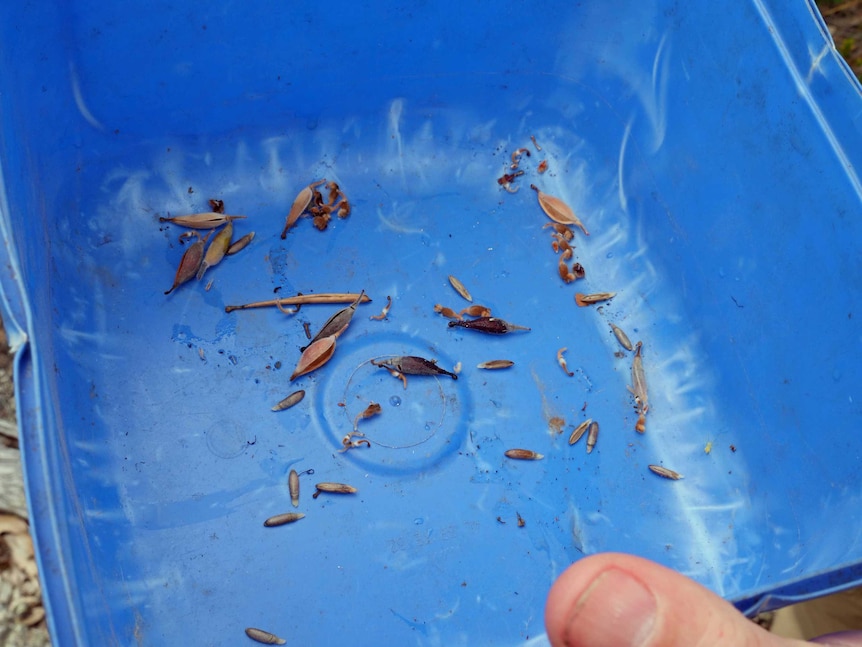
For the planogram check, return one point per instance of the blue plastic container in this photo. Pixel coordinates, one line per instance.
(712, 150)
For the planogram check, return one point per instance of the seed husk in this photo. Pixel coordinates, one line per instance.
(314, 356)
(496, 364)
(264, 637)
(460, 289)
(579, 431)
(300, 204)
(665, 472)
(282, 519)
(216, 250)
(557, 210)
(524, 454)
(589, 299)
(189, 264)
(291, 400)
(240, 244)
(206, 220)
(338, 322)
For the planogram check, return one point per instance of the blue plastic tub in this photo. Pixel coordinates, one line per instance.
(712, 150)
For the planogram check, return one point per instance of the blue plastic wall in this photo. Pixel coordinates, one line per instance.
(711, 149)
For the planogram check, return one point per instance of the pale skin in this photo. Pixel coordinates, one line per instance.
(617, 600)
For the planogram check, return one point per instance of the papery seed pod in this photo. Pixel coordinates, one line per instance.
(264, 637)
(240, 244)
(579, 431)
(293, 487)
(300, 204)
(592, 436)
(665, 472)
(206, 220)
(557, 210)
(282, 519)
(217, 249)
(189, 264)
(622, 338)
(489, 325)
(291, 400)
(459, 288)
(314, 356)
(338, 322)
(588, 299)
(496, 364)
(524, 454)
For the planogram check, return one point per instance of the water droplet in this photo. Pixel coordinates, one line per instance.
(419, 521)
(836, 374)
(395, 401)
(609, 255)
(427, 427)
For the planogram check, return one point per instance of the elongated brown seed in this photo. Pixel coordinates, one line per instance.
(557, 210)
(206, 220)
(622, 338)
(264, 637)
(293, 487)
(239, 245)
(291, 400)
(496, 364)
(579, 431)
(524, 454)
(592, 436)
(589, 299)
(190, 263)
(314, 356)
(665, 472)
(217, 249)
(334, 488)
(281, 519)
(460, 289)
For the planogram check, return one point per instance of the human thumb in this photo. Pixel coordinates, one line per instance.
(616, 600)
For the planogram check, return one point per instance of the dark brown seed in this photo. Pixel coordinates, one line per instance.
(592, 436)
(412, 365)
(489, 325)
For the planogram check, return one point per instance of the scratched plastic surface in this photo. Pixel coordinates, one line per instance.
(710, 149)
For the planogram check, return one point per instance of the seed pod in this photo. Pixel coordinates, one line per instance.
(300, 204)
(293, 487)
(622, 338)
(446, 312)
(592, 436)
(496, 364)
(338, 322)
(665, 472)
(489, 325)
(334, 488)
(264, 637)
(281, 519)
(524, 454)
(240, 244)
(206, 220)
(314, 356)
(589, 299)
(459, 288)
(557, 210)
(579, 431)
(475, 311)
(217, 249)
(189, 264)
(289, 401)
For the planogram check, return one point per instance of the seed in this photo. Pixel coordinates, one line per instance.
(264, 637)
(592, 436)
(240, 244)
(496, 364)
(459, 288)
(207, 220)
(281, 519)
(293, 487)
(665, 472)
(588, 299)
(622, 338)
(334, 488)
(524, 454)
(289, 401)
(579, 431)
